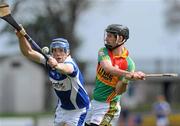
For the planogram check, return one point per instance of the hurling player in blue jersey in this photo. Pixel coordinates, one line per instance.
(66, 78)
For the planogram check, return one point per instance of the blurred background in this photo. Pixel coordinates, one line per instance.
(26, 96)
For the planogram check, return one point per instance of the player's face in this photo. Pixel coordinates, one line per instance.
(110, 39)
(59, 54)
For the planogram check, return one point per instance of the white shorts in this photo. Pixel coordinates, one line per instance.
(103, 113)
(162, 122)
(70, 117)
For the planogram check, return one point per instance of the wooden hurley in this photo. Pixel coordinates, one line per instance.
(162, 75)
(4, 10)
(5, 14)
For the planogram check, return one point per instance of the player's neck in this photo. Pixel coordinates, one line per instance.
(118, 51)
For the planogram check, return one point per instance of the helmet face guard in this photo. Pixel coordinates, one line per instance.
(109, 46)
(60, 43)
(117, 30)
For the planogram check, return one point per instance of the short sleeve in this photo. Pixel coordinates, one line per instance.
(131, 68)
(131, 65)
(75, 71)
(42, 60)
(103, 55)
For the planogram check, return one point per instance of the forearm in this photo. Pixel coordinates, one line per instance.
(115, 71)
(64, 68)
(25, 47)
(27, 50)
(120, 87)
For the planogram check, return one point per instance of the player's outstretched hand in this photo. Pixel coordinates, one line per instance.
(139, 75)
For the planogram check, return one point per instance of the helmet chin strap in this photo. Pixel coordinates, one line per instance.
(110, 47)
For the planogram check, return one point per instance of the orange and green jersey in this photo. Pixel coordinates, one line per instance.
(105, 82)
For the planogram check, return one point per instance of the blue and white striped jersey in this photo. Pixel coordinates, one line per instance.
(70, 88)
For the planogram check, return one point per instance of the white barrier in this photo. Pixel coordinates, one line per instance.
(12, 121)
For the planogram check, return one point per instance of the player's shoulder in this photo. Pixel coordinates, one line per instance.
(102, 51)
(70, 60)
(129, 58)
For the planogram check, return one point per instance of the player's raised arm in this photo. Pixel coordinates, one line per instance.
(27, 50)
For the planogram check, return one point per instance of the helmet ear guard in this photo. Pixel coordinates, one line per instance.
(60, 43)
